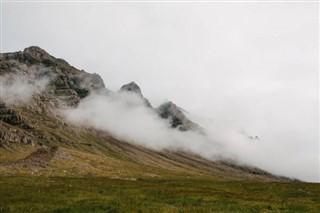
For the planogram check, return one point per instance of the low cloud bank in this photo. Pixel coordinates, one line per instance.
(125, 116)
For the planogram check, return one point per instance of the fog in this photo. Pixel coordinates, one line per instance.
(125, 116)
(19, 89)
(243, 68)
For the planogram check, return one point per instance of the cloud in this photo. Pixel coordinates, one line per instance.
(126, 117)
(19, 89)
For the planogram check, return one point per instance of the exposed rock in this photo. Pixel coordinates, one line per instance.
(11, 117)
(7, 138)
(67, 85)
(177, 118)
(166, 111)
(35, 55)
(133, 87)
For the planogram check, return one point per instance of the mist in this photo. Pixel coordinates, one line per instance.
(126, 117)
(19, 89)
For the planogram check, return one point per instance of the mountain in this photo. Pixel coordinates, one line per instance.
(36, 139)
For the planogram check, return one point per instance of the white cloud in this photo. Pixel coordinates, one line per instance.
(125, 116)
(18, 89)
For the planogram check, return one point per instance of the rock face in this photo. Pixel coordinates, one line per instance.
(64, 86)
(177, 118)
(67, 85)
(11, 117)
(131, 87)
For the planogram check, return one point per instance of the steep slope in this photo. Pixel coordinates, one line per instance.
(36, 139)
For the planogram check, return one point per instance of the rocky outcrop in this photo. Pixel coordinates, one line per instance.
(166, 111)
(134, 88)
(177, 118)
(131, 87)
(10, 137)
(67, 85)
(11, 117)
(61, 85)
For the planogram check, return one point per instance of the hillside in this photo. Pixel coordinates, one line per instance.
(73, 166)
(35, 139)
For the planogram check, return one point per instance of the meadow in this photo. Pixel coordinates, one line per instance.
(102, 194)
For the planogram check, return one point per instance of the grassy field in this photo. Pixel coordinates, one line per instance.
(93, 194)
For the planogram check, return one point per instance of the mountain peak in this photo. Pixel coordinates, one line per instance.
(178, 119)
(35, 49)
(66, 84)
(35, 54)
(132, 87)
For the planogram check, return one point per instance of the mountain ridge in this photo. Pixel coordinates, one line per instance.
(35, 139)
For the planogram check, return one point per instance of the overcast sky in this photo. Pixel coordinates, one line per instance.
(253, 66)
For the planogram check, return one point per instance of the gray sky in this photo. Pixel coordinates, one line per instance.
(252, 66)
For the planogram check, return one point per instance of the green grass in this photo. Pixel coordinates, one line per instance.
(94, 194)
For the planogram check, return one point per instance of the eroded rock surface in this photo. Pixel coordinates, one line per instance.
(177, 118)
